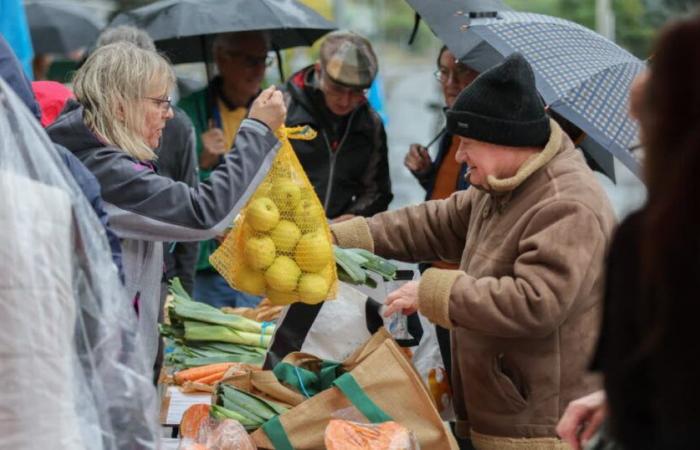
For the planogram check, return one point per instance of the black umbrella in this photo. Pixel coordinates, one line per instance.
(183, 28)
(61, 27)
(452, 12)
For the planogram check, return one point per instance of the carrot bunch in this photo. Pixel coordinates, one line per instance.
(208, 374)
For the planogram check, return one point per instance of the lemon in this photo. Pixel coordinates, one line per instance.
(313, 252)
(262, 214)
(285, 236)
(282, 298)
(312, 288)
(250, 281)
(309, 215)
(283, 274)
(259, 252)
(286, 194)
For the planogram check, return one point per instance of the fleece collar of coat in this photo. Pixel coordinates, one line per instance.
(531, 165)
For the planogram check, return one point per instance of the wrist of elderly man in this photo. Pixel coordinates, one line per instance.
(434, 291)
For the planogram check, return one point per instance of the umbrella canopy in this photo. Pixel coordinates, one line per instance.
(452, 12)
(580, 74)
(61, 27)
(183, 28)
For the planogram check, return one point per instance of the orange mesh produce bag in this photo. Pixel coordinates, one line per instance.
(280, 244)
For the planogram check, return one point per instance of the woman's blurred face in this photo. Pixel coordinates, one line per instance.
(453, 77)
(157, 111)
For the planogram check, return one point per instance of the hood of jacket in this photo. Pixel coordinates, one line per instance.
(70, 130)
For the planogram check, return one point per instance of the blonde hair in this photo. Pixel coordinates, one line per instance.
(110, 85)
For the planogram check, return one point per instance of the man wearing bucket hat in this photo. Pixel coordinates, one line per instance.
(530, 236)
(347, 162)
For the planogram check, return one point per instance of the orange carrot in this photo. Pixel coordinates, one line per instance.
(210, 379)
(196, 373)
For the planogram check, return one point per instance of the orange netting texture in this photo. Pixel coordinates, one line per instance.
(280, 244)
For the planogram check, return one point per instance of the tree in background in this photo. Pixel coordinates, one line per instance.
(633, 27)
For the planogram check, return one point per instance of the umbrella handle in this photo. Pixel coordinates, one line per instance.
(414, 32)
(279, 64)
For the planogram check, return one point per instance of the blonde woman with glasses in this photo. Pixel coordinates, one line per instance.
(122, 106)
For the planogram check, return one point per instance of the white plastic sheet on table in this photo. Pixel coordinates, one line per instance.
(71, 363)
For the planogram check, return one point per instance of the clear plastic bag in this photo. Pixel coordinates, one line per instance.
(72, 366)
(226, 434)
(397, 323)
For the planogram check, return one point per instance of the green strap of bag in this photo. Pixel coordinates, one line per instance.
(275, 432)
(347, 384)
(306, 381)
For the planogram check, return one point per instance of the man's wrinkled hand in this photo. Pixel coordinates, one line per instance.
(404, 300)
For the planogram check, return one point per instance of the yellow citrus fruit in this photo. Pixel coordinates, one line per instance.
(309, 215)
(312, 288)
(286, 194)
(259, 252)
(262, 214)
(250, 281)
(283, 274)
(281, 298)
(285, 236)
(328, 274)
(313, 252)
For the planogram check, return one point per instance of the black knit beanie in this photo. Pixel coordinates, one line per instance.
(502, 106)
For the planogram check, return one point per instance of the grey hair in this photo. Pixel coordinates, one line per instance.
(126, 33)
(110, 86)
(230, 41)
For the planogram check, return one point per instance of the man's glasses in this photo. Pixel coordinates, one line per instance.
(164, 103)
(251, 61)
(460, 73)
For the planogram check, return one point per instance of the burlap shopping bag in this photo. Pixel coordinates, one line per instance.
(382, 386)
(268, 385)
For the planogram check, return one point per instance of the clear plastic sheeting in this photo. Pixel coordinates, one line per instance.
(72, 367)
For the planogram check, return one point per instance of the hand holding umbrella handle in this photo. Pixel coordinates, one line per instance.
(269, 108)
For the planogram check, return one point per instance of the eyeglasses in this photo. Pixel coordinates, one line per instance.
(337, 90)
(164, 103)
(461, 73)
(251, 61)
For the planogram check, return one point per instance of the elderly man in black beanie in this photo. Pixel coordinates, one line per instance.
(530, 236)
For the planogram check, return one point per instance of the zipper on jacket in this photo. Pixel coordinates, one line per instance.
(333, 154)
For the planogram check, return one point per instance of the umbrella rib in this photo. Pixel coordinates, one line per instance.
(273, 12)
